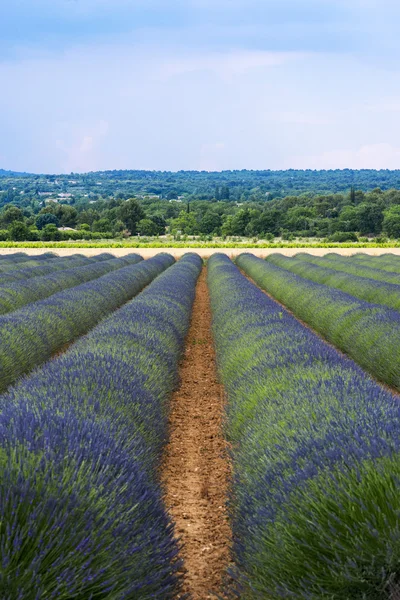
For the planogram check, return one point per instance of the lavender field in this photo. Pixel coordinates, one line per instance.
(306, 350)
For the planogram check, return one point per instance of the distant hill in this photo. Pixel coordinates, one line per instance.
(236, 185)
(338, 205)
(4, 173)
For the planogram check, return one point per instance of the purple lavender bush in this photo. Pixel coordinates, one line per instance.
(315, 454)
(367, 332)
(352, 266)
(370, 290)
(81, 505)
(11, 262)
(19, 293)
(32, 334)
(75, 260)
(16, 257)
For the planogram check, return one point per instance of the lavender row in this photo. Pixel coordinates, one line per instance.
(351, 266)
(14, 256)
(31, 335)
(80, 443)
(378, 292)
(315, 452)
(375, 259)
(369, 333)
(28, 261)
(19, 257)
(384, 262)
(17, 294)
(76, 260)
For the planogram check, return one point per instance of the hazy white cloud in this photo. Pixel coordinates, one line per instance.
(199, 84)
(301, 118)
(385, 106)
(213, 157)
(373, 156)
(227, 64)
(80, 146)
(125, 106)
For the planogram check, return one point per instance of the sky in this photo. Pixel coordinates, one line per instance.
(91, 85)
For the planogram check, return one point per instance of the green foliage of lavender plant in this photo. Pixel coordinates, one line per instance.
(377, 292)
(352, 266)
(30, 335)
(384, 262)
(369, 333)
(19, 293)
(76, 260)
(20, 257)
(343, 528)
(9, 263)
(315, 453)
(81, 505)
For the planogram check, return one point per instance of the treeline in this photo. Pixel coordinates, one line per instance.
(61, 221)
(335, 217)
(237, 186)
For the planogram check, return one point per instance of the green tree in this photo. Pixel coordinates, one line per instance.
(391, 222)
(186, 223)
(103, 225)
(348, 219)
(267, 222)
(147, 227)
(11, 214)
(298, 218)
(160, 223)
(392, 197)
(67, 215)
(240, 221)
(210, 222)
(50, 233)
(88, 216)
(130, 213)
(45, 219)
(118, 226)
(224, 193)
(226, 227)
(18, 231)
(33, 235)
(370, 218)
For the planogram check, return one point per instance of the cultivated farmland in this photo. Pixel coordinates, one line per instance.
(179, 429)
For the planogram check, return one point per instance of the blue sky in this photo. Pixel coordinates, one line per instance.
(199, 84)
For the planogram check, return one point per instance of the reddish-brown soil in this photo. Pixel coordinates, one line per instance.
(195, 472)
(61, 350)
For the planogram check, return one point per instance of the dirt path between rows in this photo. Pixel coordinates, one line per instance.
(196, 471)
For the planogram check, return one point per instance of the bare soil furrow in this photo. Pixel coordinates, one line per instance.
(196, 470)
